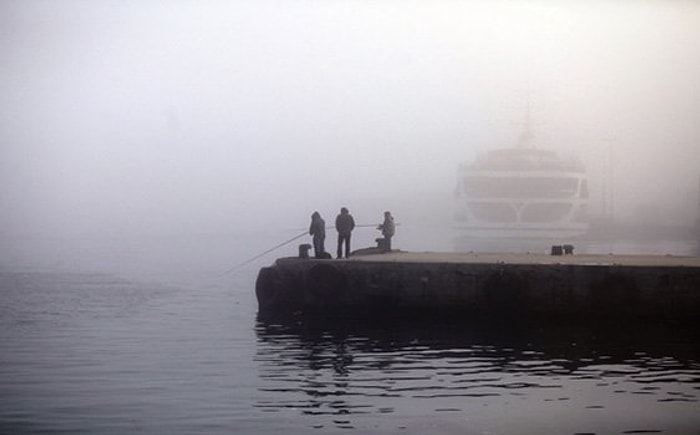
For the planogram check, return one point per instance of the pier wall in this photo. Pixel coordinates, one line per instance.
(480, 288)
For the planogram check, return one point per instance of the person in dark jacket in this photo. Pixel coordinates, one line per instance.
(388, 229)
(344, 224)
(318, 231)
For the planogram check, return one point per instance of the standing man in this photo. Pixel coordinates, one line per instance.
(318, 231)
(344, 223)
(388, 228)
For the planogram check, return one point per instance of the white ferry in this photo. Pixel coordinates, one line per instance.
(522, 192)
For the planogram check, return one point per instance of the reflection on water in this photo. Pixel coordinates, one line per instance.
(481, 377)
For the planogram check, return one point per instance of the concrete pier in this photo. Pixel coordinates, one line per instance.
(487, 284)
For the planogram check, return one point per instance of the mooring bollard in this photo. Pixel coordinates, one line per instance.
(304, 250)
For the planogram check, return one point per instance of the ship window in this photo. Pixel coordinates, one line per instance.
(494, 212)
(547, 212)
(520, 187)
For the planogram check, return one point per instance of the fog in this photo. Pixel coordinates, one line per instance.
(187, 117)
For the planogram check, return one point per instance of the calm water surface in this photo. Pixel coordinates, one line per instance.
(151, 336)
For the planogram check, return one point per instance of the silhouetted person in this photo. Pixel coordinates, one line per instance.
(344, 223)
(318, 231)
(388, 229)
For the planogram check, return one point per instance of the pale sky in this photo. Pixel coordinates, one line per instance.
(181, 115)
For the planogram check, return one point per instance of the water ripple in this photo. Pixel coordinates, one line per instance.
(458, 369)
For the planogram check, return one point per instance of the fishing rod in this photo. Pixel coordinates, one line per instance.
(332, 227)
(238, 266)
(300, 235)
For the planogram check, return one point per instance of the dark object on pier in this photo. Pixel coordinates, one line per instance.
(304, 250)
(562, 250)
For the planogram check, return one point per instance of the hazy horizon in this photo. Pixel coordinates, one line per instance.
(123, 117)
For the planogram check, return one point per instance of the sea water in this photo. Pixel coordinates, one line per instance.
(161, 335)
